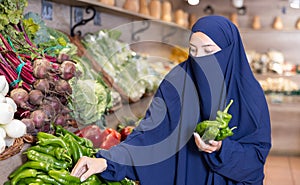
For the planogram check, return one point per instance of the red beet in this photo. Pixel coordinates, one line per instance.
(60, 120)
(39, 118)
(63, 87)
(20, 97)
(54, 102)
(40, 72)
(30, 127)
(36, 97)
(48, 110)
(67, 70)
(42, 85)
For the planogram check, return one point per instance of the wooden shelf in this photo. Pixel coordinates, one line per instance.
(114, 10)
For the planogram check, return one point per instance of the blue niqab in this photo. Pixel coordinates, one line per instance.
(162, 151)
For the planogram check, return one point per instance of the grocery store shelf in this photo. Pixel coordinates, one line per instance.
(132, 111)
(114, 10)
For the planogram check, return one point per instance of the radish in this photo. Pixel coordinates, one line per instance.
(15, 128)
(4, 87)
(67, 70)
(36, 97)
(7, 113)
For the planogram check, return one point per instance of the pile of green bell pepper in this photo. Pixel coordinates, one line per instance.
(217, 129)
(51, 160)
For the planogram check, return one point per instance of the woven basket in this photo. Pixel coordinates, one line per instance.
(16, 147)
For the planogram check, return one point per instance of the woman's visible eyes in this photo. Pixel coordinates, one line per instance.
(193, 51)
(210, 49)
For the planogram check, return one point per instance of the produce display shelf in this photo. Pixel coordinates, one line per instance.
(132, 111)
(115, 10)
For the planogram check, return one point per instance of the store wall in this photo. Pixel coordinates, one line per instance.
(287, 40)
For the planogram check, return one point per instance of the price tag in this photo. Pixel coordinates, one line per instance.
(97, 19)
(78, 14)
(47, 10)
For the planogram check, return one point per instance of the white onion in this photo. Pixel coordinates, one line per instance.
(9, 141)
(15, 128)
(7, 113)
(4, 87)
(2, 132)
(2, 99)
(11, 102)
(2, 145)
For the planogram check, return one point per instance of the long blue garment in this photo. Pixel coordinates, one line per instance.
(162, 151)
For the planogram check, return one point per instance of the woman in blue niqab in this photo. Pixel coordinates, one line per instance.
(162, 149)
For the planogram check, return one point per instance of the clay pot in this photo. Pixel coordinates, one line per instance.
(144, 7)
(298, 24)
(192, 20)
(166, 11)
(108, 2)
(256, 23)
(131, 5)
(234, 19)
(155, 8)
(277, 24)
(179, 17)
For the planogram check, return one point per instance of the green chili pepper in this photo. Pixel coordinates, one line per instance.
(202, 126)
(75, 148)
(88, 151)
(48, 179)
(53, 142)
(210, 133)
(92, 180)
(82, 141)
(62, 154)
(43, 149)
(37, 156)
(44, 135)
(38, 165)
(63, 177)
(216, 129)
(223, 117)
(31, 180)
(7, 182)
(225, 132)
(24, 174)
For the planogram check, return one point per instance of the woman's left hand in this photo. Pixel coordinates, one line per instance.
(209, 148)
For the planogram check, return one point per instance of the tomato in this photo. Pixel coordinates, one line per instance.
(125, 132)
(109, 137)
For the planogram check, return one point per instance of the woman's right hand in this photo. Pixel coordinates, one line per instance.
(209, 148)
(87, 166)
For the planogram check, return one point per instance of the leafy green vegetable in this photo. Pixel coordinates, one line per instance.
(90, 100)
(48, 40)
(11, 11)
